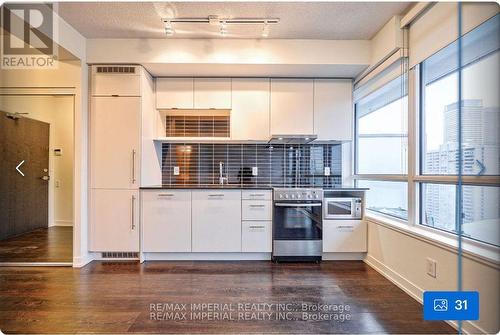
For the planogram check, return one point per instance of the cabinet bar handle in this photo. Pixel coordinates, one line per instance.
(252, 227)
(133, 212)
(133, 166)
(165, 195)
(216, 195)
(258, 206)
(257, 195)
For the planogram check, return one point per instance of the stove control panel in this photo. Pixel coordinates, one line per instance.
(298, 194)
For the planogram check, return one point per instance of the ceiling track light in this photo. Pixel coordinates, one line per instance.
(222, 22)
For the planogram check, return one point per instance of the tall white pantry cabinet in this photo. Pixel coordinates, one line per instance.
(119, 96)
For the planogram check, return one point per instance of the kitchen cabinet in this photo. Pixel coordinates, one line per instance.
(114, 221)
(292, 108)
(250, 109)
(344, 236)
(256, 236)
(116, 83)
(115, 142)
(174, 93)
(166, 220)
(333, 109)
(216, 221)
(212, 93)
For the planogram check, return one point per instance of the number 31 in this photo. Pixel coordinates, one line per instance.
(460, 305)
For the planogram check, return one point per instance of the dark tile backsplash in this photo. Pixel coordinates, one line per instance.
(278, 165)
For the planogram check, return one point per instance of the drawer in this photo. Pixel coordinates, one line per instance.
(256, 194)
(256, 236)
(220, 195)
(166, 195)
(256, 210)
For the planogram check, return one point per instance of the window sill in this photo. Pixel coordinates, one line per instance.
(471, 249)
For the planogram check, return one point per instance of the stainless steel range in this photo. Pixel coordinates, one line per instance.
(297, 224)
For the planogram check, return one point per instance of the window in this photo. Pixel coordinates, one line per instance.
(480, 106)
(481, 210)
(381, 130)
(387, 197)
(442, 136)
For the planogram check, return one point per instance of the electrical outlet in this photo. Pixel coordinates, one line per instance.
(327, 171)
(431, 267)
(176, 171)
(255, 171)
(57, 184)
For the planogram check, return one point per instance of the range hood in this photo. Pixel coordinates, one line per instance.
(291, 139)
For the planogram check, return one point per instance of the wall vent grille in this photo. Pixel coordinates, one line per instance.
(130, 255)
(198, 126)
(116, 69)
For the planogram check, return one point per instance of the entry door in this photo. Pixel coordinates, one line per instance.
(24, 164)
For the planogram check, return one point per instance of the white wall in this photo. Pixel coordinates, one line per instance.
(57, 111)
(402, 258)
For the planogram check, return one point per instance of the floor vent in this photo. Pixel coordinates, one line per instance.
(116, 69)
(130, 255)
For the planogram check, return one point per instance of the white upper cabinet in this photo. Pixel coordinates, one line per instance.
(292, 106)
(172, 93)
(250, 109)
(116, 81)
(115, 142)
(212, 93)
(333, 109)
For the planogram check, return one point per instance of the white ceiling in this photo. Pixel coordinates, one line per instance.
(299, 20)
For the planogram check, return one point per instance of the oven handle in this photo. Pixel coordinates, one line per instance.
(283, 204)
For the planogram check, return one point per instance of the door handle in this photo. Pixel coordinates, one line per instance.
(133, 166)
(46, 178)
(133, 212)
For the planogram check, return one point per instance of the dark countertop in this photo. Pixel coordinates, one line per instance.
(239, 186)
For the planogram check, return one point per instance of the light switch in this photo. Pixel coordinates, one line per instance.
(57, 152)
(327, 170)
(176, 171)
(255, 171)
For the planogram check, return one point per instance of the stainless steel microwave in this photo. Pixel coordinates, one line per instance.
(342, 208)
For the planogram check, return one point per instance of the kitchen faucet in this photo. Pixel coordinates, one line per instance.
(221, 177)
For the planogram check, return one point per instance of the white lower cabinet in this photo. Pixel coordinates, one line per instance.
(114, 220)
(344, 236)
(166, 220)
(256, 236)
(216, 221)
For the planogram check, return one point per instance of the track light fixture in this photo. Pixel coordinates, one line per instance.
(223, 23)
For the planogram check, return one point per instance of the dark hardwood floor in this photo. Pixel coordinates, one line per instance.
(54, 244)
(108, 297)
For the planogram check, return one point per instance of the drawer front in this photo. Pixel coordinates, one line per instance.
(217, 195)
(165, 195)
(344, 236)
(256, 195)
(256, 236)
(256, 210)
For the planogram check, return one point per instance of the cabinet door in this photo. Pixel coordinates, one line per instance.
(333, 111)
(114, 220)
(116, 84)
(344, 236)
(212, 93)
(250, 109)
(291, 106)
(115, 142)
(174, 93)
(166, 221)
(256, 236)
(216, 221)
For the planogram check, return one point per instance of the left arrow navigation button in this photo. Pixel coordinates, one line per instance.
(18, 168)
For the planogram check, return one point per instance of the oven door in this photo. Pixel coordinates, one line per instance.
(297, 221)
(339, 208)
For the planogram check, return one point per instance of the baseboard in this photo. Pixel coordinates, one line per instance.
(415, 292)
(63, 223)
(79, 262)
(205, 256)
(343, 256)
